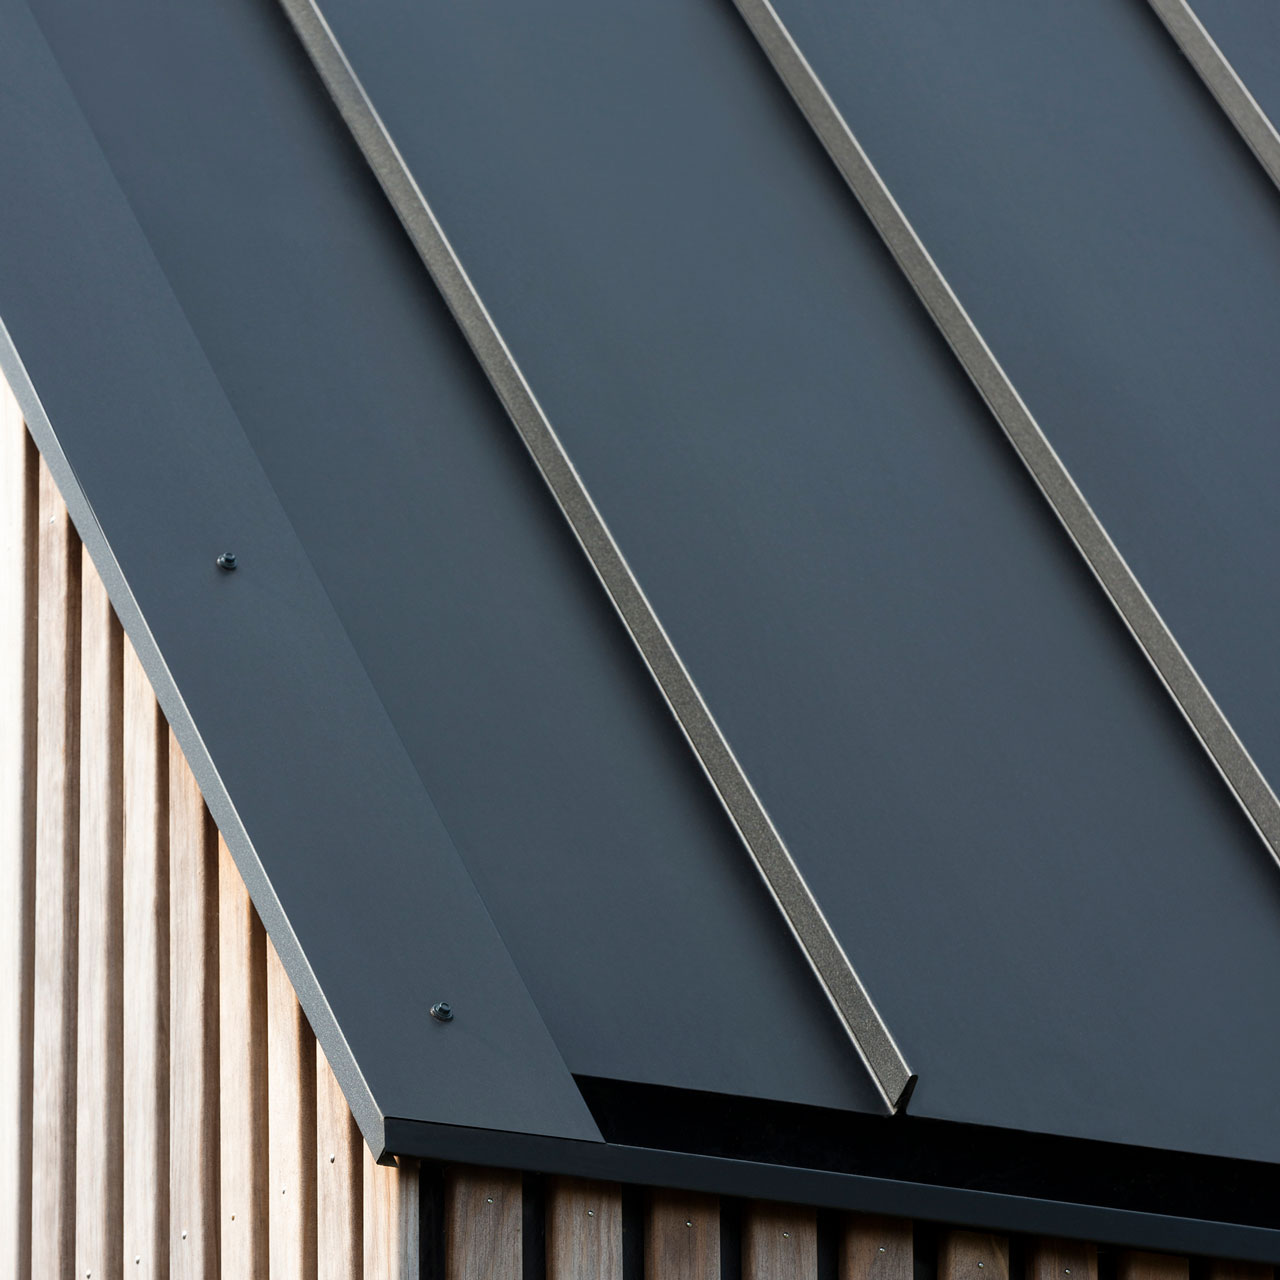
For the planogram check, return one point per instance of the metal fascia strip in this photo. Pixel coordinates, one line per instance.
(1140, 616)
(804, 916)
(863, 1193)
(1226, 86)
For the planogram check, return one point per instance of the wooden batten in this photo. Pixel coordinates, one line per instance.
(392, 1249)
(1134, 1264)
(584, 1230)
(484, 1225)
(291, 1109)
(682, 1236)
(193, 1028)
(339, 1181)
(99, 1213)
(146, 978)
(973, 1255)
(875, 1248)
(242, 1077)
(53, 1137)
(779, 1241)
(19, 513)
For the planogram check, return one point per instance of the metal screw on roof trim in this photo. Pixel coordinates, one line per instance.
(227, 561)
(441, 1012)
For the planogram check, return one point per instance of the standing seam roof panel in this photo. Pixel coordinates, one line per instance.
(571, 798)
(959, 742)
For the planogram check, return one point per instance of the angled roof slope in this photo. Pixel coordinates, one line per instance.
(443, 767)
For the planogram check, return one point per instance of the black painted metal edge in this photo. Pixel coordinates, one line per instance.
(320, 1017)
(1149, 629)
(821, 1189)
(1221, 79)
(800, 909)
(355, 1088)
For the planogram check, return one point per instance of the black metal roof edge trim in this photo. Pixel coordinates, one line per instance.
(1223, 81)
(355, 1088)
(89, 312)
(801, 911)
(985, 1210)
(1037, 1165)
(1189, 692)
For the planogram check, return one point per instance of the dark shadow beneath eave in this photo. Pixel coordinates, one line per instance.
(938, 1153)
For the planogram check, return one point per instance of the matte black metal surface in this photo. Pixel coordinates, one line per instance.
(1011, 828)
(868, 1034)
(293, 750)
(1120, 250)
(1248, 33)
(609, 869)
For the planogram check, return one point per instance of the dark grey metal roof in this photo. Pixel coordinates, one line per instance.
(443, 767)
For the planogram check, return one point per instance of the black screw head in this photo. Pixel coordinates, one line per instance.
(227, 561)
(441, 1012)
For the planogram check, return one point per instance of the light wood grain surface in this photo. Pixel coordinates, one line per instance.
(19, 534)
(682, 1236)
(242, 1077)
(193, 1039)
(291, 1103)
(339, 1181)
(100, 1020)
(584, 1230)
(391, 1221)
(874, 1248)
(53, 1181)
(146, 977)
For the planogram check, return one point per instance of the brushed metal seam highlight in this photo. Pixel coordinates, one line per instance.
(804, 917)
(1144, 622)
(1233, 96)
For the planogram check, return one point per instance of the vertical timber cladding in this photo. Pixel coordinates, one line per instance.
(53, 1137)
(145, 1013)
(99, 1156)
(19, 469)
